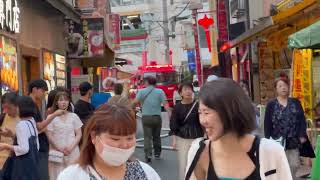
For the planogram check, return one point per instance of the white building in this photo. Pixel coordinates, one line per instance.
(142, 30)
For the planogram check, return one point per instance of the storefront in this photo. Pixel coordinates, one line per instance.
(306, 66)
(270, 39)
(32, 41)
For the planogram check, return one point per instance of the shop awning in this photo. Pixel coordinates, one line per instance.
(306, 38)
(66, 9)
(251, 33)
(273, 23)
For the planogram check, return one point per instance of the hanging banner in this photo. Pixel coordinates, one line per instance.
(114, 30)
(222, 20)
(8, 65)
(86, 40)
(191, 60)
(302, 79)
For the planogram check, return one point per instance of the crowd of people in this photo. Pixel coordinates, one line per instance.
(211, 130)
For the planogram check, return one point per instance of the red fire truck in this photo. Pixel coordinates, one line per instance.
(165, 74)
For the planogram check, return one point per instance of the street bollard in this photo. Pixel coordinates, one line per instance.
(315, 174)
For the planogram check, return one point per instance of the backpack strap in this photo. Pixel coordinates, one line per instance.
(195, 159)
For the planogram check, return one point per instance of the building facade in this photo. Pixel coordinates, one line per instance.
(33, 43)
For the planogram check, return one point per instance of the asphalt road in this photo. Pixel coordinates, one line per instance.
(167, 166)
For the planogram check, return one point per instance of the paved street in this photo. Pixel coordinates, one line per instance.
(167, 167)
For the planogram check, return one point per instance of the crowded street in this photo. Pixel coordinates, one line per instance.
(159, 90)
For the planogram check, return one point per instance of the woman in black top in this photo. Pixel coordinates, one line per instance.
(285, 120)
(185, 125)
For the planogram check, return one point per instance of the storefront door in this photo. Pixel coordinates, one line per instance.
(31, 70)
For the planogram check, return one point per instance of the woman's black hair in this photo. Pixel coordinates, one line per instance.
(27, 108)
(10, 97)
(52, 94)
(233, 106)
(185, 84)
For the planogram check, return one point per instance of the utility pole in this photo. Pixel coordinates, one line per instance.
(166, 30)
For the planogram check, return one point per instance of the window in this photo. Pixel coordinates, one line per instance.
(131, 22)
(163, 78)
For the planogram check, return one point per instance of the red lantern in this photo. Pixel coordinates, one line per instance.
(206, 22)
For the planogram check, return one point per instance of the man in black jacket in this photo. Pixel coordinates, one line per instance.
(83, 108)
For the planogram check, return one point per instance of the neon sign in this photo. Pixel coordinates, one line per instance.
(9, 15)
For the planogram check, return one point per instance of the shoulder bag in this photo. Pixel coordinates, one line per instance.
(145, 97)
(187, 131)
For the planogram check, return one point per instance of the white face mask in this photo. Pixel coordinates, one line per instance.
(115, 156)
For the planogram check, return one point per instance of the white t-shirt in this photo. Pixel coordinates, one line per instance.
(24, 131)
(75, 172)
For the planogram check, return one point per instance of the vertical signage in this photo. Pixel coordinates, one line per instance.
(10, 15)
(114, 20)
(222, 20)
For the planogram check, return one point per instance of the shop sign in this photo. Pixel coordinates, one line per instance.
(222, 20)
(49, 70)
(61, 70)
(8, 65)
(10, 15)
(297, 75)
(114, 30)
(87, 39)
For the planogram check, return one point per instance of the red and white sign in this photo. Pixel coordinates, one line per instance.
(114, 20)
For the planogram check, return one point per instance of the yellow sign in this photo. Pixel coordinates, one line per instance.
(302, 81)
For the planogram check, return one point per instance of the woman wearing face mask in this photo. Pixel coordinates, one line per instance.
(185, 125)
(109, 142)
(64, 134)
(285, 122)
(232, 152)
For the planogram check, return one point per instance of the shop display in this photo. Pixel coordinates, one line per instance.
(49, 70)
(8, 66)
(61, 70)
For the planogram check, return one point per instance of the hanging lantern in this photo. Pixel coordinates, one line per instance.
(206, 22)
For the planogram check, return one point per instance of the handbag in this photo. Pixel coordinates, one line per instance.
(56, 156)
(306, 150)
(7, 169)
(26, 167)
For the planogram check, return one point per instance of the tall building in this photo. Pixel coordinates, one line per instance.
(143, 27)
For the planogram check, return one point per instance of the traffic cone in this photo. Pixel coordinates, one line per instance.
(315, 174)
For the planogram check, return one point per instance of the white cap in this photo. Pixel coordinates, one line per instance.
(212, 78)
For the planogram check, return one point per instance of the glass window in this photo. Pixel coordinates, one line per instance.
(163, 78)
